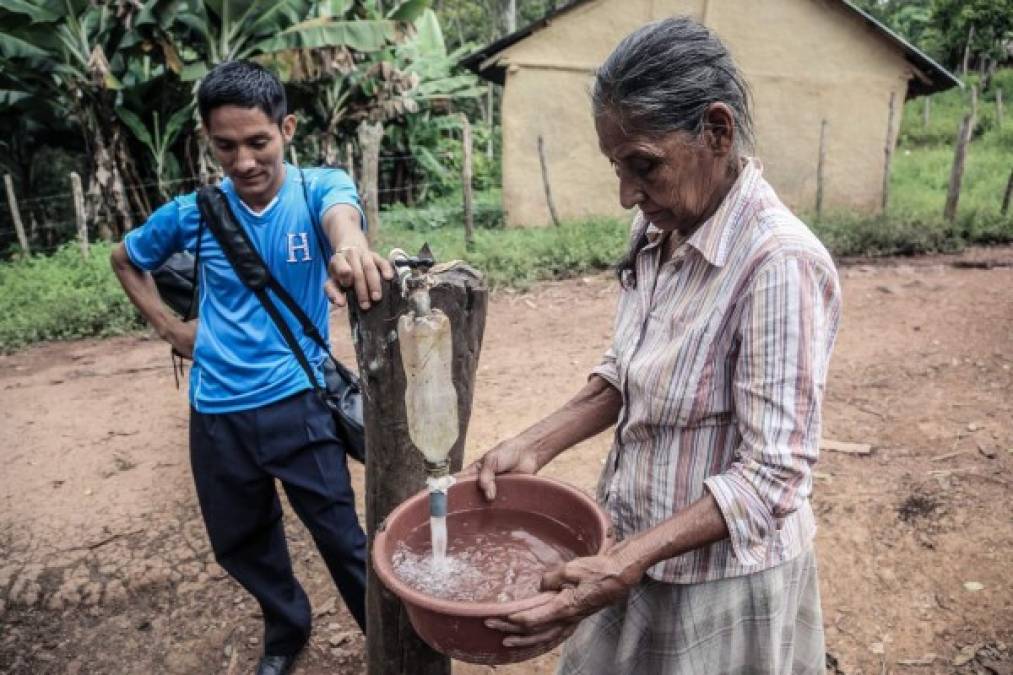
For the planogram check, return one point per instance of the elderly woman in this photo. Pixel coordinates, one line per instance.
(727, 315)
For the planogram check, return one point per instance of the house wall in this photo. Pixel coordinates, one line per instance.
(806, 60)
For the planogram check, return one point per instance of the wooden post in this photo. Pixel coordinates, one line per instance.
(820, 167)
(469, 207)
(370, 136)
(1009, 193)
(967, 52)
(959, 157)
(490, 118)
(12, 202)
(888, 151)
(349, 160)
(394, 468)
(927, 112)
(545, 181)
(82, 223)
(998, 108)
(293, 155)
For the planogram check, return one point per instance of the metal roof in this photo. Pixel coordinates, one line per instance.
(930, 78)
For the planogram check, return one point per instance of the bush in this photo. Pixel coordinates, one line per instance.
(60, 297)
(445, 212)
(846, 234)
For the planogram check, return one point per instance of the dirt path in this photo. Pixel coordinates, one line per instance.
(104, 565)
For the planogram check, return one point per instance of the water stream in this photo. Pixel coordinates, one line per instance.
(438, 537)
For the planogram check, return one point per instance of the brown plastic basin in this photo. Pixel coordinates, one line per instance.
(457, 628)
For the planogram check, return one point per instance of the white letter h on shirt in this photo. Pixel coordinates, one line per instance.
(302, 245)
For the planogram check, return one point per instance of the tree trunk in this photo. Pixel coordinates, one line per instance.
(137, 197)
(490, 120)
(109, 196)
(510, 16)
(370, 136)
(967, 52)
(395, 469)
(329, 149)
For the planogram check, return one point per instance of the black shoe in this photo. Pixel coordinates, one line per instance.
(275, 665)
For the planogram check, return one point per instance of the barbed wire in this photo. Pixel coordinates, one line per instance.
(400, 213)
(48, 197)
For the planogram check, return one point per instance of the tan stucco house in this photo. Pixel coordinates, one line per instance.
(806, 61)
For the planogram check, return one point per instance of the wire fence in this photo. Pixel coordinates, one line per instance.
(49, 220)
(187, 183)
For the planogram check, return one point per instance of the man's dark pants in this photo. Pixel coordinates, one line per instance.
(236, 458)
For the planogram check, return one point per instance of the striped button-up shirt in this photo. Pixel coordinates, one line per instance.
(721, 355)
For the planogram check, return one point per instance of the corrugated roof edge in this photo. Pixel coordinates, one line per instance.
(940, 79)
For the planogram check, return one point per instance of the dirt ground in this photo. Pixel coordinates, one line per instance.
(105, 568)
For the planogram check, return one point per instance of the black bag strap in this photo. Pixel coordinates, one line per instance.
(253, 272)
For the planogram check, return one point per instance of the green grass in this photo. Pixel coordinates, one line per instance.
(518, 257)
(60, 297)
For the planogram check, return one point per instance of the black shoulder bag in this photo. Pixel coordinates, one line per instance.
(342, 393)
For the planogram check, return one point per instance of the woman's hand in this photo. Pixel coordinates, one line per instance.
(583, 586)
(510, 456)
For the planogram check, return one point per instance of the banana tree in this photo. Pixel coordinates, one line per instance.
(74, 54)
(424, 139)
(158, 141)
(285, 33)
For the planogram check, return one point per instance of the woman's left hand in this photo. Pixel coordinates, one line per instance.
(583, 585)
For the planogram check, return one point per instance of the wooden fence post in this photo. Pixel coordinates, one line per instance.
(350, 160)
(959, 157)
(370, 136)
(82, 223)
(490, 116)
(998, 108)
(293, 155)
(927, 111)
(545, 181)
(394, 468)
(967, 52)
(1008, 194)
(12, 202)
(820, 167)
(888, 152)
(469, 206)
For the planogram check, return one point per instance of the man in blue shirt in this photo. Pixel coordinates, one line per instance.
(255, 416)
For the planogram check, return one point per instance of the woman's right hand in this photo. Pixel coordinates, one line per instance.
(510, 456)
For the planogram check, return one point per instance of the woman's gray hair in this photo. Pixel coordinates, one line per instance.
(664, 76)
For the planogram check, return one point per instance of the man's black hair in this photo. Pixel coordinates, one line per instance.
(243, 84)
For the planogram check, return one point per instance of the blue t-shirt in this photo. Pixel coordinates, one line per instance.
(241, 360)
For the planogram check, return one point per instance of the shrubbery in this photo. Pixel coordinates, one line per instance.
(62, 296)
